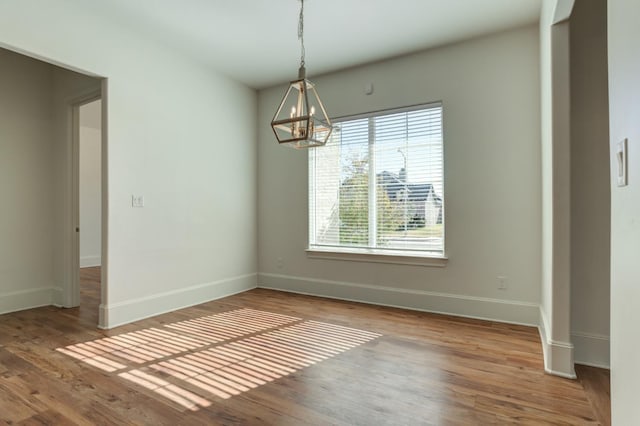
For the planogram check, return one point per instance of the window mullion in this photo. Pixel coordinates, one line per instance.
(373, 207)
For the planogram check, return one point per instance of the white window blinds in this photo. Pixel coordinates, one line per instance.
(378, 183)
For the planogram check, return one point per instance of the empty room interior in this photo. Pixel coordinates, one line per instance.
(318, 212)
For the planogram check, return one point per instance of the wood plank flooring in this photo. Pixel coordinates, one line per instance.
(89, 295)
(597, 385)
(265, 357)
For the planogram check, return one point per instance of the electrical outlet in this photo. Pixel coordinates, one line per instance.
(279, 263)
(137, 200)
(502, 282)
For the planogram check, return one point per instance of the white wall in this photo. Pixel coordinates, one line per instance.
(546, 295)
(26, 189)
(590, 186)
(180, 134)
(624, 110)
(90, 183)
(555, 306)
(491, 96)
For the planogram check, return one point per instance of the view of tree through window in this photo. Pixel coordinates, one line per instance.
(378, 183)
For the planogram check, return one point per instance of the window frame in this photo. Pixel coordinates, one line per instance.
(377, 255)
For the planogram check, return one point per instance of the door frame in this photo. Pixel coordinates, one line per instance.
(71, 291)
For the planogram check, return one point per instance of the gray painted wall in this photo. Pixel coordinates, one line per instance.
(624, 110)
(491, 99)
(590, 186)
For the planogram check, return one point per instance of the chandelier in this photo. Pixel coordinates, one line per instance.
(301, 120)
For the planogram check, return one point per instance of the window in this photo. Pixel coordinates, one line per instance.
(377, 186)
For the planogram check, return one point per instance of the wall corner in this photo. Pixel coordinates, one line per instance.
(558, 356)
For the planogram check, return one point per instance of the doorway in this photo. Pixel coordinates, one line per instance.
(39, 181)
(88, 187)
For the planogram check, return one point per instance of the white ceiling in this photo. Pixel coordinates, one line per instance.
(255, 41)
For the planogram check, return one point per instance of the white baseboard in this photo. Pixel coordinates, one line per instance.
(90, 261)
(117, 314)
(25, 299)
(508, 311)
(591, 349)
(558, 356)
(57, 294)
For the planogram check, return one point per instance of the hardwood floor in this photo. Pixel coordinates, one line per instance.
(89, 294)
(265, 357)
(597, 385)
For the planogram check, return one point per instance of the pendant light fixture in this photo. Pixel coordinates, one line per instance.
(301, 121)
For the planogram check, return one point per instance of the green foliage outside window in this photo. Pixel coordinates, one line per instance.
(354, 207)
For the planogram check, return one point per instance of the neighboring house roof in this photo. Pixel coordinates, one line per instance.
(417, 191)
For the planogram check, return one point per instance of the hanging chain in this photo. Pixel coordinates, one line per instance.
(301, 32)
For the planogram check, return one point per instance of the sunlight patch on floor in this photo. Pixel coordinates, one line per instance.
(217, 356)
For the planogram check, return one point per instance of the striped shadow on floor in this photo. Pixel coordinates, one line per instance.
(217, 356)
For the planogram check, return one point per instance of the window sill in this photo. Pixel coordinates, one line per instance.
(378, 256)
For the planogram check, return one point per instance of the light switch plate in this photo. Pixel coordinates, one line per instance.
(137, 200)
(622, 162)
